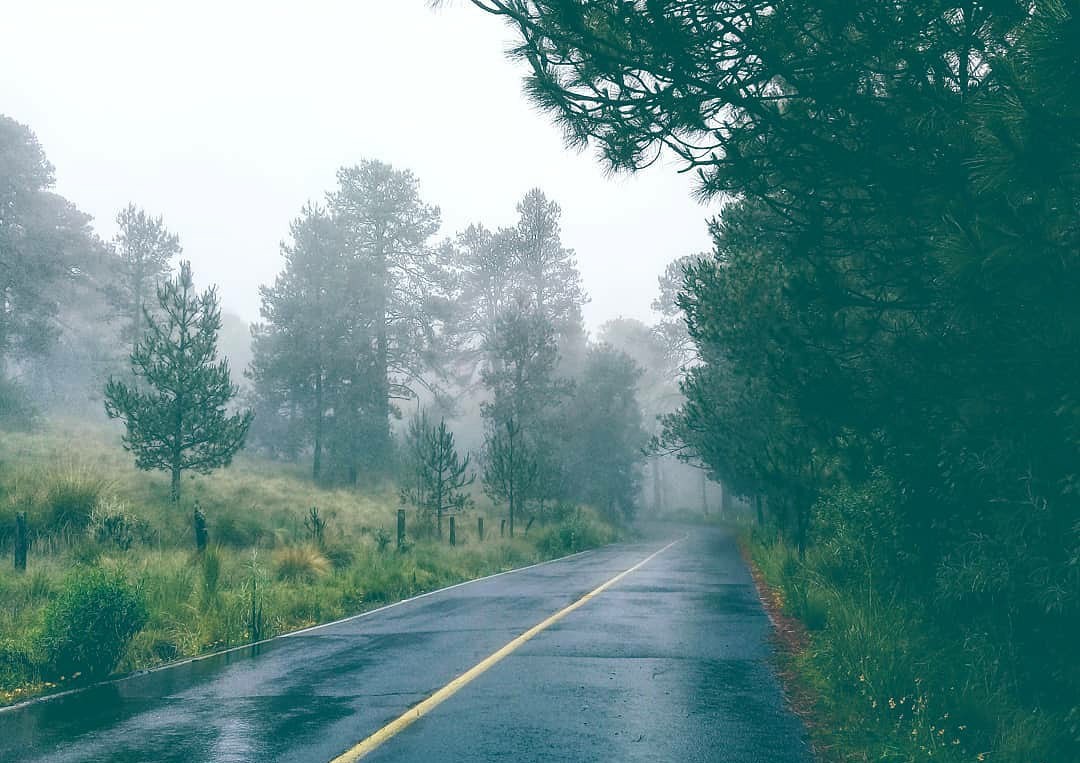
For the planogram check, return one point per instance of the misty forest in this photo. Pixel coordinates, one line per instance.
(870, 380)
(391, 368)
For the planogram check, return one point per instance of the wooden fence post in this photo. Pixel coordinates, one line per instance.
(453, 532)
(21, 541)
(480, 528)
(201, 534)
(400, 529)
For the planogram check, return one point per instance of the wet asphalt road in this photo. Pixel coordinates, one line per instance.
(669, 664)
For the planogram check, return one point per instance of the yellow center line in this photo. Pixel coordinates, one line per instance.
(416, 712)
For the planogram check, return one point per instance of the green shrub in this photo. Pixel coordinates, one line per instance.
(89, 624)
(861, 534)
(575, 533)
(16, 664)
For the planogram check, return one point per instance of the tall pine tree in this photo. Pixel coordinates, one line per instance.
(176, 413)
(386, 227)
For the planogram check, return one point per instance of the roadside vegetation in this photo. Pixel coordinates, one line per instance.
(114, 581)
(885, 333)
(884, 672)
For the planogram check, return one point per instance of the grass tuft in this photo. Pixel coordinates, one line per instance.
(301, 563)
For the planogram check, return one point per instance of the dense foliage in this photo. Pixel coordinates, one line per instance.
(892, 290)
(88, 625)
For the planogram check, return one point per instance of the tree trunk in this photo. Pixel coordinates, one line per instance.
(704, 494)
(136, 317)
(316, 461)
(513, 474)
(178, 432)
(352, 473)
(22, 541)
(800, 526)
(201, 534)
(174, 489)
(381, 432)
(439, 505)
(658, 503)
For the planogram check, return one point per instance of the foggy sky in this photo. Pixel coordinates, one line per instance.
(226, 117)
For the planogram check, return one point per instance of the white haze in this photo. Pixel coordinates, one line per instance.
(226, 117)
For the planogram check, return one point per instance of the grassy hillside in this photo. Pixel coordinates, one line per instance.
(92, 513)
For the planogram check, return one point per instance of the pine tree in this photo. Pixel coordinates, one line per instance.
(440, 473)
(525, 398)
(309, 348)
(43, 242)
(547, 275)
(484, 265)
(143, 247)
(386, 226)
(510, 468)
(176, 413)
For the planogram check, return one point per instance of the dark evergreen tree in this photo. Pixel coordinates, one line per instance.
(311, 348)
(510, 465)
(893, 284)
(658, 390)
(525, 398)
(176, 414)
(438, 475)
(547, 271)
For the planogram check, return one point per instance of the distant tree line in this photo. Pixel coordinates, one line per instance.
(370, 319)
(370, 311)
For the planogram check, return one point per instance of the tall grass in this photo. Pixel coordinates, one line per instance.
(265, 572)
(890, 682)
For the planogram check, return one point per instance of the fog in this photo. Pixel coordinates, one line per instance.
(226, 118)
